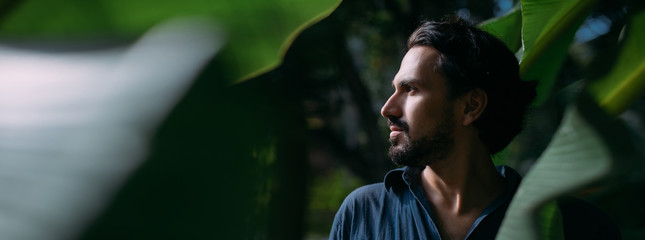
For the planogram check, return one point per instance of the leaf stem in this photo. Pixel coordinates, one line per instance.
(554, 31)
(627, 92)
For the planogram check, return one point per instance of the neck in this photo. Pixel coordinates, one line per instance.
(465, 181)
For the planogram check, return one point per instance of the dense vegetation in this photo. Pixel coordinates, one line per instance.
(284, 121)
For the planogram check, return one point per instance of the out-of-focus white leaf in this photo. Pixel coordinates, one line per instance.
(74, 125)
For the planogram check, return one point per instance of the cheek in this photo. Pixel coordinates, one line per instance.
(417, 115)
(422, 115)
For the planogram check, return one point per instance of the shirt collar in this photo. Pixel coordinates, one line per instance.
(401, 177)
(511, 177)
(407, 176)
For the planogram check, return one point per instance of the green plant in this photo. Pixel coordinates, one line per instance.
(205, 176)
(589, 146)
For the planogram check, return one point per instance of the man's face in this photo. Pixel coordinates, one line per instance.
(419, 113)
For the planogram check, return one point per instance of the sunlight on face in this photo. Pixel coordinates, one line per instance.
(419, 113)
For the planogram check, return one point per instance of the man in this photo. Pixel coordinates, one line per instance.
(457, 100)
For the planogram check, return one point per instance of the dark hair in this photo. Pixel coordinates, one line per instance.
(471, 58)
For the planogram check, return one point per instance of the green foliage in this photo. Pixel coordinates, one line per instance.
(259, 32)
(227, 162)
(548, 28)
(332, 189)
(327, 192)
(625, 83)
(111, 100)
(589, 146)
(550, 224)
(578, 155)
(243, 137)
(507, 27)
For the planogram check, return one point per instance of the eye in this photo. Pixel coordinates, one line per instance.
(409, 89)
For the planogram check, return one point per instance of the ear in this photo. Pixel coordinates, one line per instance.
(475, 104)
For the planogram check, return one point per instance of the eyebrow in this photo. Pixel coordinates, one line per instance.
(406, 82)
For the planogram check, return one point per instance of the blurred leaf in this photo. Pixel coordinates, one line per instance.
(625, 83)
(259, 32)
(75, 124)
(548, 27)
(507, 27)
(583, 150)
(550, 222)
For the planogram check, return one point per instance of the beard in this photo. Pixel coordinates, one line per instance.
(432, 147)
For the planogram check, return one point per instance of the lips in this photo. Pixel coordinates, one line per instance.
(395, 131)
(397, 127)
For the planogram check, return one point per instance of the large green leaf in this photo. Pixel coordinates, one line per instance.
(548, 27)
(583, 151)
(508, 28)
(587, 147)
(79, 123)
(259, 32)
(625, 82)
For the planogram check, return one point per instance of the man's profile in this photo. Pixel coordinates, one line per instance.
(457, 100)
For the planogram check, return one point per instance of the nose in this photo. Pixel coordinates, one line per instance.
(392, 108)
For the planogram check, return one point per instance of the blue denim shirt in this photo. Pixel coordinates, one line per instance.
(399, 209)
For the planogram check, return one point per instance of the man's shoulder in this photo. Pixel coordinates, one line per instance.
(360, 212)
(392, 184)
(359, 202)
(366, 193)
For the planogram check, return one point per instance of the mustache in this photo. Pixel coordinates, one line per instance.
(398, 123)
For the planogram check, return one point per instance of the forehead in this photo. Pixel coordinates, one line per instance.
(419, 64)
